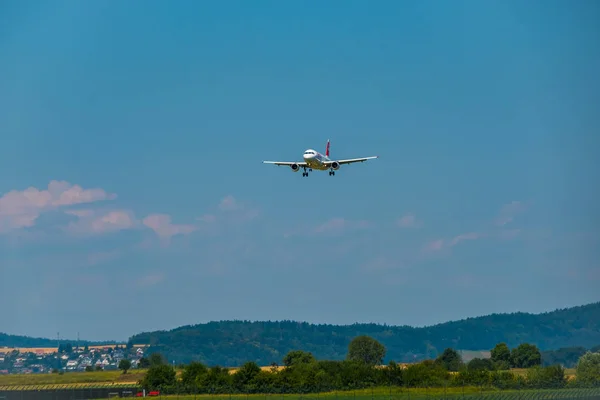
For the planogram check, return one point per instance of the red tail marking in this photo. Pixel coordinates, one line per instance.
(327, 149)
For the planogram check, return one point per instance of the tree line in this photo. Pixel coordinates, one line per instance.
(363, 368)
(234, 342)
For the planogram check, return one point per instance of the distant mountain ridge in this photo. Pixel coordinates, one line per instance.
(231, 343)
(12, 341)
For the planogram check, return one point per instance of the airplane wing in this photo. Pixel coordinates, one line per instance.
(351, 160)
(287, 163)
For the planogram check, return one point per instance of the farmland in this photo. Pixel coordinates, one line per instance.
(70, 379)
(377, 393)
(109, 378)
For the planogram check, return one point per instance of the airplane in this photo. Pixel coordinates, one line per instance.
(315, 160)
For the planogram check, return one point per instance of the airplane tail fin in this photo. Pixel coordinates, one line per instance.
(327, 149)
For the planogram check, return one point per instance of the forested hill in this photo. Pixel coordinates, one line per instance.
(25, 341)
(231, 343)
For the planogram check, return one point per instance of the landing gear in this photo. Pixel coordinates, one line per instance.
(332, 172)
(305, 173)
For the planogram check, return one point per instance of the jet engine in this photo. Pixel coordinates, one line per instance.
(335, 165)
(295, 167)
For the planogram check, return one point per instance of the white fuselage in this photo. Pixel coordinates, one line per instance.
(315, 160)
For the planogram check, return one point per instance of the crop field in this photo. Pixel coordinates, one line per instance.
(413, 394)
(364, 394)
(78, 378)
(569, 372)
(67, 386)
(70, 379)
(91, 390)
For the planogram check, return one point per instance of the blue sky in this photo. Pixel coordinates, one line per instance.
(137, 130)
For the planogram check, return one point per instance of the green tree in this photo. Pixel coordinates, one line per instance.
(480, 364)
(500, 356)
(246, 374)
(394, 373)
(157, 376)
(217, 377)
(295, 357)
(156, 359)
(124, 365)
(546, 377)
(450, 359)
(526, 356)
(144, 363)
(367, 350)
(587, 372)
(192, 373)
(426, 372)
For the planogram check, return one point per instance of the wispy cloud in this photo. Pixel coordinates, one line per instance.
(80, 213)
(434, 245)
(230, 211)
(339, 225)
(506, 215)
(229, 203)
(407, 221)
(509, 211)
(21, 209)
(91, 222)
(441, 244)
(466, 236)
(150, 280)
(161, 224)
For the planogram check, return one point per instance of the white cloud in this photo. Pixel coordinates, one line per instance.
(20, 209)
(440, 244)
(80, 213)
(232, 213)
(91, 222)
(113, 221)
(162, 226)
